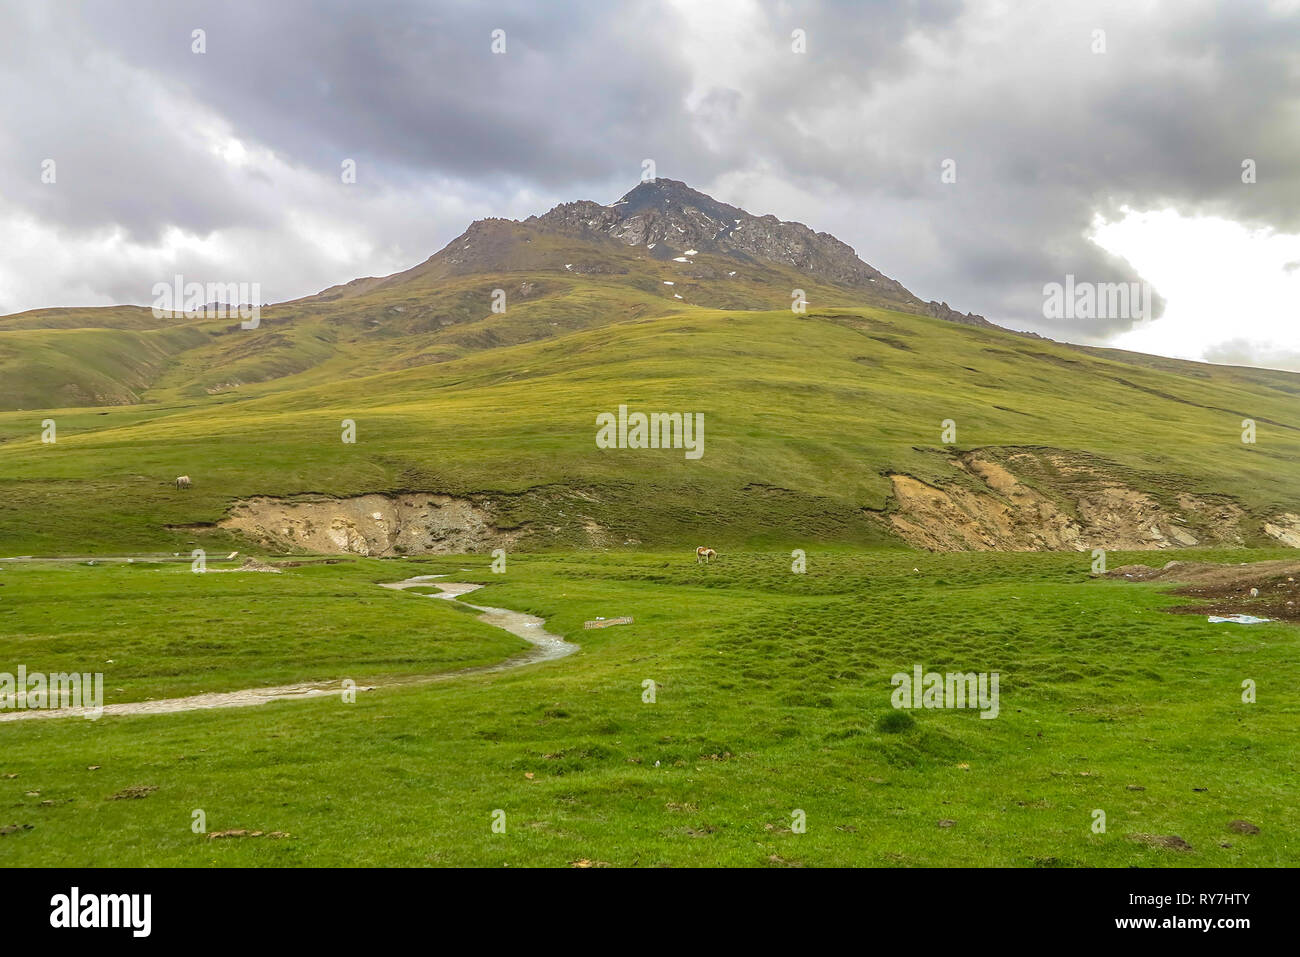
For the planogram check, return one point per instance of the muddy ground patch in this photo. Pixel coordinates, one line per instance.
(1227, 589)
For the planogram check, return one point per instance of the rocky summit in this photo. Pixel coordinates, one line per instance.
(669, 221)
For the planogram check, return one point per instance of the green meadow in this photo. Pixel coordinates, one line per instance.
(771, 696)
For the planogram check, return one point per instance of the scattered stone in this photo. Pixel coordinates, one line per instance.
(947, 822)
(1170, 842)
(1134, 787)
(133, 792)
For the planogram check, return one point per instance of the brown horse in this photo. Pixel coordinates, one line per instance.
(707, 554)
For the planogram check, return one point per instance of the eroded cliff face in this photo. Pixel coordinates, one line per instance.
(1020, 500)
(378, 524)
(997, 499)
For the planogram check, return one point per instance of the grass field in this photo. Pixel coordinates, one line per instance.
(772, 695)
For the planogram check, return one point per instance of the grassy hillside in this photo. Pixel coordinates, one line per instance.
(805, 419)
(440, 310)
(84, 367)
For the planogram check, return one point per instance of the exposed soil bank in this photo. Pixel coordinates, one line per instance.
(545, 647)
(991, 499)
(1043, 499)
(416, 523)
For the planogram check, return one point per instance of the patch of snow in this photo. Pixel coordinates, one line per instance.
(680, 259)
(692, 252)
(651, 245)
(675, 296)
(669, 282)
(732, 273)
(568, 265)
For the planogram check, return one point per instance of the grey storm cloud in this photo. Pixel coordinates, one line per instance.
(1046, 134)
(415, 86)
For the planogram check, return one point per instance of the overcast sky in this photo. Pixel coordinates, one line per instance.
(1103, 141)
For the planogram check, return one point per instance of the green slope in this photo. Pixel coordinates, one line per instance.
(805, 419)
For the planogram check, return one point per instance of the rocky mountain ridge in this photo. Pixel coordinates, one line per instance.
(672, 221)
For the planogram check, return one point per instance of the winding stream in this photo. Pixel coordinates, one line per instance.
(544, 647)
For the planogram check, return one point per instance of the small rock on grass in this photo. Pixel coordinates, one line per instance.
(1170, 842)
(135, 791)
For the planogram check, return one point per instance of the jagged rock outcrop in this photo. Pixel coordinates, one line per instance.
(670, 219)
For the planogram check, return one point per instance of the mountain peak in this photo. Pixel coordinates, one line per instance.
(668, 221)
(671, 219)
(666, 192)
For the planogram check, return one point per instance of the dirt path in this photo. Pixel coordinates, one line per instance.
(545, 647)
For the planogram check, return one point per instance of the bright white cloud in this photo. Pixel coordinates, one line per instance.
(1230, 291)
